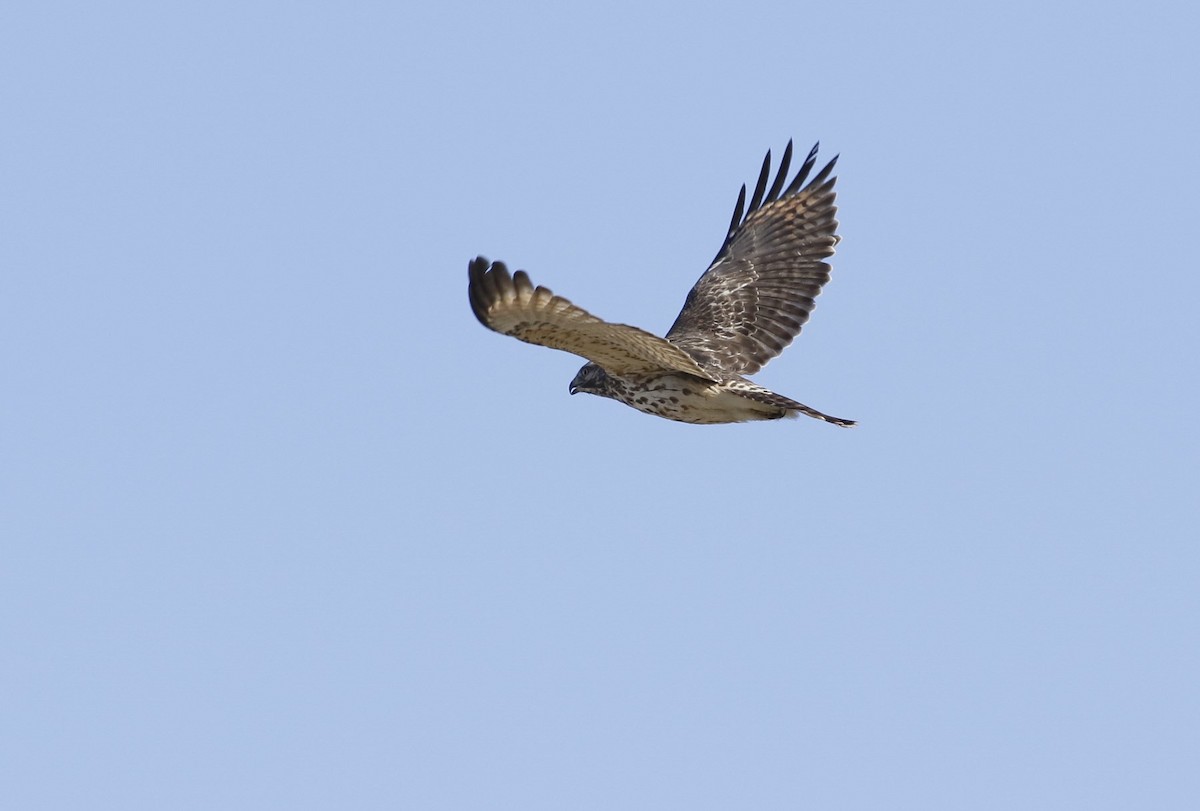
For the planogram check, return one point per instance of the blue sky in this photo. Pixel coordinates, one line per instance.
(286, 528)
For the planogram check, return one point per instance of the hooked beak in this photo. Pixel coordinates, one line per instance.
(573, 388)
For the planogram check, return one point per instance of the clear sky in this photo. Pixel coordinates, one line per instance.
(285, 527)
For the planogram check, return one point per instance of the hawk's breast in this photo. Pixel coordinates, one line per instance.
(688, 399)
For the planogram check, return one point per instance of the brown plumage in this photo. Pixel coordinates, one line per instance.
(744, 310)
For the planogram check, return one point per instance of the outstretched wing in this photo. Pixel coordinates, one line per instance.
(757, 294)
(513, 306)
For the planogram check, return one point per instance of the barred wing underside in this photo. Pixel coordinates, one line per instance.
(757, 295)
(511, 305)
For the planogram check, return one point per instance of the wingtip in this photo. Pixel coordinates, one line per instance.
(522, 285)
(489, 283)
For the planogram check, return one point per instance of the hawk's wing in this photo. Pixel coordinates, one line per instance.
(513, 306)
(757, 294)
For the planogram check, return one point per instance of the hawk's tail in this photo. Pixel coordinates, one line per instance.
(812, 412)
(792, 408)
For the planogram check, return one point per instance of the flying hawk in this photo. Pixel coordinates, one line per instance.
(744, 310)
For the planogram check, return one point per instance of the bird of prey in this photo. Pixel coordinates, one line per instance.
(744, 310)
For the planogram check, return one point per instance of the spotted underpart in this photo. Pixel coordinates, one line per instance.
(685, 398)
(744, 310)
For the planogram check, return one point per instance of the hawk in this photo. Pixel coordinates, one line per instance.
(744, 310)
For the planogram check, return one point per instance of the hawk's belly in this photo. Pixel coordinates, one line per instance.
(687, 399)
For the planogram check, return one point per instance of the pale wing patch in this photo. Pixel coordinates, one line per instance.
(510, 304)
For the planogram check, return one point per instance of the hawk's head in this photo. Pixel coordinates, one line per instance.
(592, 380)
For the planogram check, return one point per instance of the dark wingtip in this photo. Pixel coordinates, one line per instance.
(824, 175)
(762, 196)
(781, 175)
(476, 270)
(738, 210)
(760, 188)
(487, 283)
